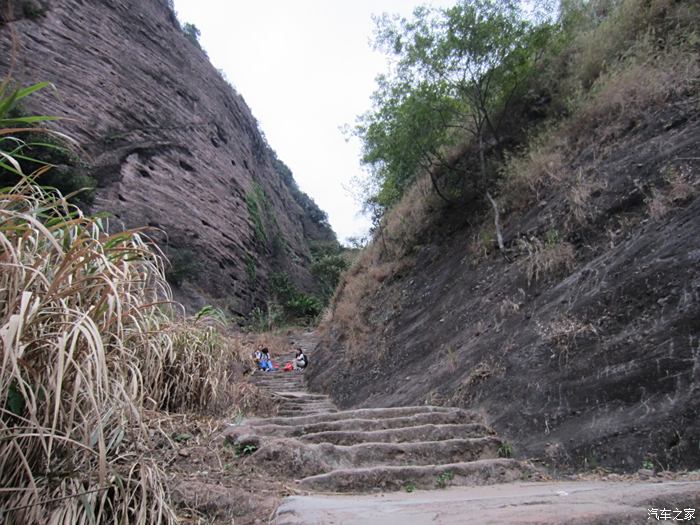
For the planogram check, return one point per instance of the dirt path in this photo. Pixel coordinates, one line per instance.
(521, 503)
(399, 453)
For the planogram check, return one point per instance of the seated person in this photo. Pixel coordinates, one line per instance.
(266, 361)
(257, 358)
(300, 361)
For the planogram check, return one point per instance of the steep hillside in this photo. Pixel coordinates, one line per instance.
(582, 342)
(170, 143)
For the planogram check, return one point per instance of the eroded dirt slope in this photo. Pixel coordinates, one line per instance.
(596, 364)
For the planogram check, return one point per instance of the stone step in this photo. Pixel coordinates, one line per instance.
(280, 384)
(393, 478)
(301, 402)
(455, 416)
(414, 453)
(300, 396)
(313, 411)
(272, 378)
(400, 435)
(362, 413)
(364, 455)
(298, 410)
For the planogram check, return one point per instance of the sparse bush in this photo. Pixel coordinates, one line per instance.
(482, 243)
(549, 257)
(296, 305)
(183, 266)
(561, 333)
(443, 480)
(679, 187)
(533, 171)
(80, 313)
(192, 33)
(505, 450)
(579, 197)
(681, 182)
(189, 370)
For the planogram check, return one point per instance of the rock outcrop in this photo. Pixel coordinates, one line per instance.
(169, 141)
(582, 344)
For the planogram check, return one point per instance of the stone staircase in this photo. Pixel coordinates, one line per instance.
(324, 449)
(353, 467)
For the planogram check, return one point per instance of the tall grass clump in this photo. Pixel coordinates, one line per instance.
(192, 368)
(77, 307)
(89, 340)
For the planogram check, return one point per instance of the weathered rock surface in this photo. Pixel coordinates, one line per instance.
(371, 449)
(596, 365)
(560, 503)
(170, 142)
(393, 453)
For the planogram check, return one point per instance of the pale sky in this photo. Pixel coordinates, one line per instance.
(305, 68)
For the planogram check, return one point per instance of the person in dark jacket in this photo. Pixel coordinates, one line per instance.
(300, 361)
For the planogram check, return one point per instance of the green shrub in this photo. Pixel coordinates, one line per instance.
(327, 270)
(296, 305)
(33, 9)
(192, 33)
(38, 151)
(443, 480)
(184, 265)
(251, 268)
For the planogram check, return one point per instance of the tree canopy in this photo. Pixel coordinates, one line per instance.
(454, 74)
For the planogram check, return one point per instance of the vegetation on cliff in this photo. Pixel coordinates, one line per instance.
(95, 358)
(506, 118)
(488, 270)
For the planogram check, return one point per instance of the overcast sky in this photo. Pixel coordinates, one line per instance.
(305, 68)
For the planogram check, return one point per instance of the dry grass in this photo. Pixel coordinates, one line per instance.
(645, 80)
(550, 257)
(534, 171)
(405, 221)
(386, 256)
(579, 196)
(682, 182)
(88, 343)
(468, 389)
(509, 306)
(595, 49)
(452, 359)
(561, 334)
(680, 185)
(482, 243)
(250, 399)
(78, 309)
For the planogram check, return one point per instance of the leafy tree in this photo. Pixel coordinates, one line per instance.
(192, 33)
(327, 270)
(456, 73)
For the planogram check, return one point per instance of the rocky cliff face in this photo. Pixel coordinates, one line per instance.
(596, 366)
(170, 142)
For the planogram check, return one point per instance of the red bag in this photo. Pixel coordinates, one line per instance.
(288, 367)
